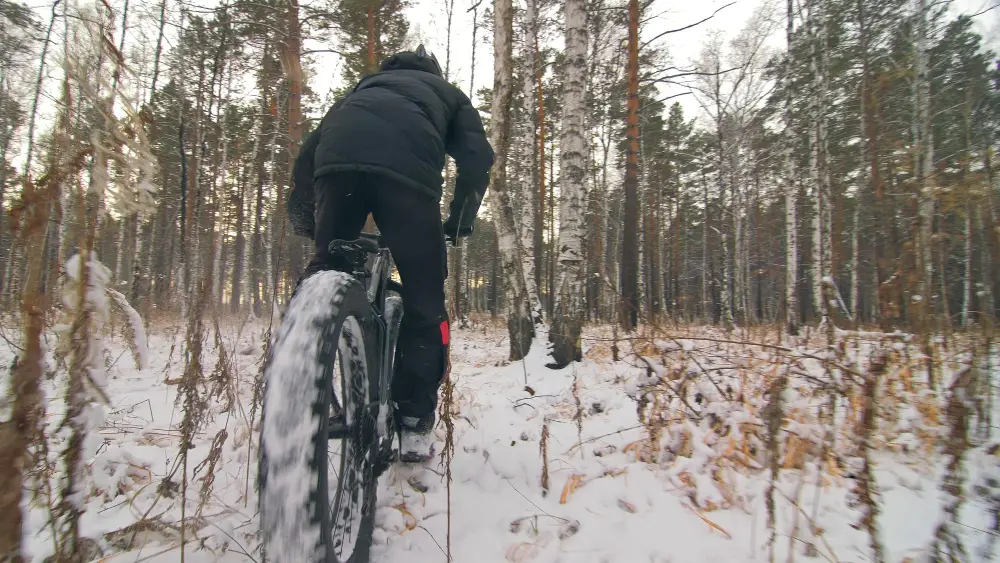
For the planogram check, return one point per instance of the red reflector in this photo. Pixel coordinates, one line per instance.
(445, 333)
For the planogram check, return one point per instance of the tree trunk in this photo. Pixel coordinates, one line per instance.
(924, 167)
(519, 320)
(858, 202)
(988, 234)
(822, 240)
(529, 215)
(291, 64)
(239, 247)
(706, 301)
(791, 189)
(629, 310)
(725, 288)
(969, 214)
(540, 143)
(568, 320)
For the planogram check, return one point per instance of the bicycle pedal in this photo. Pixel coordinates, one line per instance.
(337, 429)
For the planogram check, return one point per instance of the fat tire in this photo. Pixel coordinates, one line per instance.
(294, 496)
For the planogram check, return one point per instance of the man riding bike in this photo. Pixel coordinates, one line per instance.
(381, 150)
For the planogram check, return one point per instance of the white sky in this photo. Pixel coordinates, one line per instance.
(428, 24)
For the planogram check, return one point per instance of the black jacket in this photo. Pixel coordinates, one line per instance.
(398, 122)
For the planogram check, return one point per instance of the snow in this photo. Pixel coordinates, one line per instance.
(697, 504)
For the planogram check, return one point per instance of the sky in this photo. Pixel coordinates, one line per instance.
(428, 24)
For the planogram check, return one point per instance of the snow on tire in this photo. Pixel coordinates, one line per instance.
(291, 436)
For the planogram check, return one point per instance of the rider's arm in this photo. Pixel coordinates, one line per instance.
(468, 145)
(301, 200)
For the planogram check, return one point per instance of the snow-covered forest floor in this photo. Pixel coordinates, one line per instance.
(698, 494)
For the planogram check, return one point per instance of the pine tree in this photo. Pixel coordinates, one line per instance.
(370, 31)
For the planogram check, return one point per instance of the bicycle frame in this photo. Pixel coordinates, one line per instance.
(377, 281)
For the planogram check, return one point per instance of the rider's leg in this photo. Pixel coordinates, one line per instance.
(342, 205)
(410, 223)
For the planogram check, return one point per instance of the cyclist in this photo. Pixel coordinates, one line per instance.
(381, 150)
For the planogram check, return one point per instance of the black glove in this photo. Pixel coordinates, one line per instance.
(461, 219)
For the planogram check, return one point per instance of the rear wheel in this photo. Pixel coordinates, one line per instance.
(317, 472)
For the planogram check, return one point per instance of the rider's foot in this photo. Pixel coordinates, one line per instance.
(416, 437)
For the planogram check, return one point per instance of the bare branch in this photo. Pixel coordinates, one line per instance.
(669, 79)
(981, 12)
(661, 100)
(668, 32)
(334, 51)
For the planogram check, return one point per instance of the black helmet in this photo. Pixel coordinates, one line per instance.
(423, 53)
(417, 59)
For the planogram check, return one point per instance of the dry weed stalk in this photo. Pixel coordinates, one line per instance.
(448, 452)
(866, 491)
(223, 376)
(774, 416)
(578, 415)
(256, 403)
(543, 448)
(29, 223)
(947, 546)
(191, 392)
(214, 455)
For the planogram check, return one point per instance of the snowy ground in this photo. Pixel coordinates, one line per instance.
(620, 511)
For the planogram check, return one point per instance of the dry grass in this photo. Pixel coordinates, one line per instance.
(706, 395)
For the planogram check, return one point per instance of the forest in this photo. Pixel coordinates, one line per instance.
(855, 162)
(828, 179)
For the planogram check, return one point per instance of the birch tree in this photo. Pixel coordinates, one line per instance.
(519, 317)
(568, 319)
(791, 189)
(818, 172)
(923, 168)
(531, 226)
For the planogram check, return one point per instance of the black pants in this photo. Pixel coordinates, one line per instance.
(410, 225)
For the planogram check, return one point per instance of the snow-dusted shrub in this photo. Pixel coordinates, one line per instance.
(133, 329)
(86, 310)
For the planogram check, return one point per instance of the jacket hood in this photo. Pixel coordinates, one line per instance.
(410, 61)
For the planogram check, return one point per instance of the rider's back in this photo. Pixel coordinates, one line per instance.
(400, 122)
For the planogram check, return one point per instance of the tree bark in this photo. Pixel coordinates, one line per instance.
(291, 65)
(791, 189)
(629, 308)
(924, 167)
(567, 322)
(822, 240)
(519, 318)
